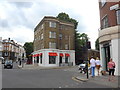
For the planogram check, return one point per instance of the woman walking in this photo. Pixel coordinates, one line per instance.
(111, 69)
(98, 65)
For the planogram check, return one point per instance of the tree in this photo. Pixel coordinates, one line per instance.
(80, 39)
(28, 48)
(97, 44)
(65, 17)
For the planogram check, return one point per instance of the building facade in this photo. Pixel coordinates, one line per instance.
(109, 33)
(12, 50)
(1, 47)
(54, 43)
(94, 53)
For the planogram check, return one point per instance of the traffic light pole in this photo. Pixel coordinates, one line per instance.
(87, 59)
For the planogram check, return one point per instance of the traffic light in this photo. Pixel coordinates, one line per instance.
(89, 45)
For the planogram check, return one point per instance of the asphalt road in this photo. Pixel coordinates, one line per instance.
(53, 78)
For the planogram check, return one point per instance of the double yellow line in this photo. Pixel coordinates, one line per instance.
(73, 78)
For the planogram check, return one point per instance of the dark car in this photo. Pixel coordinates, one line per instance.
(8, 64)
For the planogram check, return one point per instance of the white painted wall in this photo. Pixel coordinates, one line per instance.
(115, 55)
(45, 56)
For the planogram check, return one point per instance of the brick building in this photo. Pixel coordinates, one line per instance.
(54, 43)
(1, 47)
(109, 33)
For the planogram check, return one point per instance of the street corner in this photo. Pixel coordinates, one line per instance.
(78, 78)
(20, 67)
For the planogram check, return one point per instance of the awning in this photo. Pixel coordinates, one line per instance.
(61, 54)
(52, 54)
(40, 54)
(66, 54)
(36, 55)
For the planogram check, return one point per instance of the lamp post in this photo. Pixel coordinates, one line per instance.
(86, 57)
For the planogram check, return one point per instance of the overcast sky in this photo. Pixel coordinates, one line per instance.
(18, 19)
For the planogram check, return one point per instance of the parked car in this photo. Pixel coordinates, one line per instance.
(8, 64)
(82, 68)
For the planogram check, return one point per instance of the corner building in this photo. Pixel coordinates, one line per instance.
(109, 33)
(54, 43)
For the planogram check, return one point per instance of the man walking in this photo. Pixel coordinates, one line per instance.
(92, 64)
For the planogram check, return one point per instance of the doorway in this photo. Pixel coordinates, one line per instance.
(107, 54)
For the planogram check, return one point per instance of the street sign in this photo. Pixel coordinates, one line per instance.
(114, 7)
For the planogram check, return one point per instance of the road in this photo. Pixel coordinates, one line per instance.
(49, 78)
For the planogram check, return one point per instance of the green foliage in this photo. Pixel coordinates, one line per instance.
(80, 39)
(97, 44)
(28, 48)
(65, 17)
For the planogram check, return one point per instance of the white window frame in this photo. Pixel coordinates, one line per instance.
(105, 23)
(41, 36)
(66, 46)
(52, 45)
(60, 36)
(42, 26)
(52, 24)
(52, 34)
(118, 16)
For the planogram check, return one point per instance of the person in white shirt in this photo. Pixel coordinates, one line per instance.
(98, 65)
(92, 65)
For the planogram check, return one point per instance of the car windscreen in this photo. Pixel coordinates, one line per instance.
(8, 62)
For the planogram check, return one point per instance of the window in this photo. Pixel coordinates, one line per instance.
(52, 34)
(52, 59)
(103, 2)
(41, 59)
(52, 45)
(105, 22)
(41, 36)
(52, 24)
(60, 36)
(66, 59)
(42, 46)
(42, 26)
(66, 46)
(61, 27)
(118, 16)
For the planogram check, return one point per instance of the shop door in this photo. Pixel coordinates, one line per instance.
(107, 54)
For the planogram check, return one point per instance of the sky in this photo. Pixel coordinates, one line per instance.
(18, 18)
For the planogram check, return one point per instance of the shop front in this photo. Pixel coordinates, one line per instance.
(50, 57)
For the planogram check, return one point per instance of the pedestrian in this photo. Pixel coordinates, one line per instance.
(92, 65)
(98, 65)
(111, 69)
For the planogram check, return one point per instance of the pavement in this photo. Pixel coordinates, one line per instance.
(30, 66)
(101, 79)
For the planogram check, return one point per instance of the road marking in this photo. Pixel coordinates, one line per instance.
(76, 79)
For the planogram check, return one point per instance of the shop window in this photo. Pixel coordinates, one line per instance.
(66, 59)
(52, 59)
(118, 16)
(60, 59)
(41, 59)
